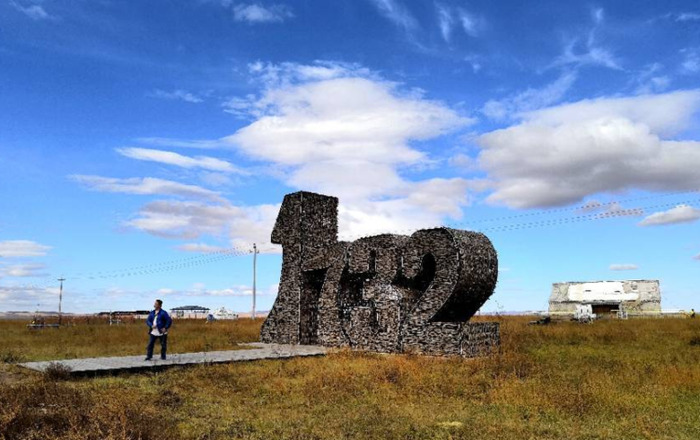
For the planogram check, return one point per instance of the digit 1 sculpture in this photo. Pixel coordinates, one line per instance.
(385, 293)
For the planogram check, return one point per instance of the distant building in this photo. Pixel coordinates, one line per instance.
(633, 297)
(189, 312)
(224, 313)
(133, 314)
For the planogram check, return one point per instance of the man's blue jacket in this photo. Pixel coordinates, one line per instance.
(164, 320)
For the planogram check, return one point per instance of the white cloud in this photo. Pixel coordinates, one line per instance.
(586, 51)
(580, 53)
(204, 144)
(691, 61)
(650, 80)
(397, 13)
(623, 267)
(171, 158)
(530, 99)
(463, 161)
(35, 12)
(679, 214)
(257, 13)
(334, 128)
(165, 292)
(351, 136)
(470, 23)
(286, 75)
(201, 248)
(688, 16)
(145, 186)
(177, 95)
(451, 18)
(28, 297)
(343, 119)
(241, 226)
(184, 219)
(560, 155)
(697, 257)
(445, 21)
(598, 15)
(200, 290)
(22, 248)
(23, 270)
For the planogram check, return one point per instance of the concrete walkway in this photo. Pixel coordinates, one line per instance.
(134, 363)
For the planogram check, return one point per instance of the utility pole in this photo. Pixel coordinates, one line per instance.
(255, 261)
(60, 300)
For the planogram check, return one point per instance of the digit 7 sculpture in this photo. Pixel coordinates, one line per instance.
(386, 293)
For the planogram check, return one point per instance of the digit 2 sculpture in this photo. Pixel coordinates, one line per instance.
(386, 293)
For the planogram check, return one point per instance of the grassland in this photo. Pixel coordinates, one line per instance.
(631, 379)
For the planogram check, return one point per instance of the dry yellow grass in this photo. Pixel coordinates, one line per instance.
(89, 338)
(609, 380)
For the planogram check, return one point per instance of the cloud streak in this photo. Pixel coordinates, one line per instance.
(35, 12)
(255, 13)
(679, 214)
(176, 159)
(530, 99)
(23, 270)
(22, 248)
(451, 19)
(177, 95)
(621, 267)
(397, 13)
(145, 186)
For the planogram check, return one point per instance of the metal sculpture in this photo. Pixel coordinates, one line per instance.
(385, 293)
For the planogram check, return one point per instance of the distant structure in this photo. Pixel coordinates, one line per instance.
(607, 298)
(189, 312)
(223, 313)
(386, 293)
(121, 314)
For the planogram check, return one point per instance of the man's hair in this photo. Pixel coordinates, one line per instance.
(160, 302)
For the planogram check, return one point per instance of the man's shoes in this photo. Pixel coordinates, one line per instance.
(148, 359)
(162, 358)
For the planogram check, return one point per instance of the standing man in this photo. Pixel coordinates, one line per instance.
(158, 322)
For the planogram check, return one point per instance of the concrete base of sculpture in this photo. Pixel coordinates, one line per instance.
(386, 293)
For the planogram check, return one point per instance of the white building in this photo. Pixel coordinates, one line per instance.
(189, 312)
(633, 297)
(223, 313)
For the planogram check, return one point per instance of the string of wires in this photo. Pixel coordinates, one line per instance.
(614, 211)
(598, 215)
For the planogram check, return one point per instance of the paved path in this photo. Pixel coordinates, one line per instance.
(133, 363)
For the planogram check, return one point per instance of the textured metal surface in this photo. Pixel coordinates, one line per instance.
(386, 293)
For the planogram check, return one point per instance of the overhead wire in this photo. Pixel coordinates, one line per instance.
(235, 251)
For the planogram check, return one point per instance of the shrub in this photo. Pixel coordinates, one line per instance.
(57, 371)
(10, 356)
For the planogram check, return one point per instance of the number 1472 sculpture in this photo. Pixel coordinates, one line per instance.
(386, 293)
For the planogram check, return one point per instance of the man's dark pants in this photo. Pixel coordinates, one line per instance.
(152, 342)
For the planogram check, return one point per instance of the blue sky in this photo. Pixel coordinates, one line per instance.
(141, 140)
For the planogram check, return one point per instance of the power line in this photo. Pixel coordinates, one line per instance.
(585, 207)
(540, 223)
(222, 254)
